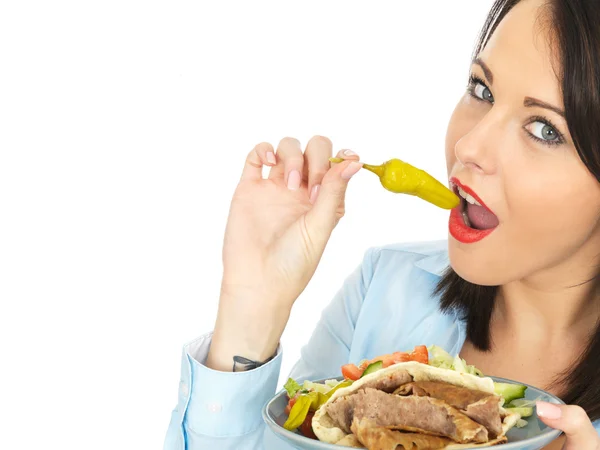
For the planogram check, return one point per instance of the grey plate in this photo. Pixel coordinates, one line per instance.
(532, 437)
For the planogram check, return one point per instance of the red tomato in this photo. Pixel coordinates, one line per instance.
(306, 427)
(291, 404)
(387, 361)
(351, 372)
(420, 354)
(398, 357)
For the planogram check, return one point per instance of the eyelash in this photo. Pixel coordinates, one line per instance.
(474, 80)
(560, 138)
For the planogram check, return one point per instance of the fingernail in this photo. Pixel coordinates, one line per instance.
(294, 180)
(548, 410)
(271, 158)
(352, 168)
(349, 153)
(314, 193)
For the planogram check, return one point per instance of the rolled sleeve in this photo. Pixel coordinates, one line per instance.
(225, 404)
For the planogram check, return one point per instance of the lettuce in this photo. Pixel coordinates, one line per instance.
(438, 357)
(292, 387)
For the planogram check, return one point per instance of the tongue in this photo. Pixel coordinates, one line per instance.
(481, 218)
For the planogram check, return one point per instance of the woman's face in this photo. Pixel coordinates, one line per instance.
(508, 143)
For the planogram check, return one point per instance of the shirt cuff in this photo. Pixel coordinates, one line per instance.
(223, 404)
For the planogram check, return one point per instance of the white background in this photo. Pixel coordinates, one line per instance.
(124, 126)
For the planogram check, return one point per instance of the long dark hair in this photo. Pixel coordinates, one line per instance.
(576, 36)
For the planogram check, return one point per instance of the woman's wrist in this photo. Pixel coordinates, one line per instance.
(251, 334)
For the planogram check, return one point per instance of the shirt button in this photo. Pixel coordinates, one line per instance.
(214, 407)
(184, 389)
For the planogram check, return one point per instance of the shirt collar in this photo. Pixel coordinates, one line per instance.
(435, 264)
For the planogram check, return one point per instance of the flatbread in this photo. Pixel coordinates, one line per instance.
(326, 429)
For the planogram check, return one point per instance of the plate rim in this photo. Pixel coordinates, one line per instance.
(279, 430)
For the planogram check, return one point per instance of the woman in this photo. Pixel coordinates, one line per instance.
(520, 299)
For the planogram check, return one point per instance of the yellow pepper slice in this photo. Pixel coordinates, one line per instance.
(401, 178)
(309, 402)
(340, 385)
(298, 413)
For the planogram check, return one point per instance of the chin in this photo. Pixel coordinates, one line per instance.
(475, 263)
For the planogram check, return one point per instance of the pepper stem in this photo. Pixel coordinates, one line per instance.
(377, 170)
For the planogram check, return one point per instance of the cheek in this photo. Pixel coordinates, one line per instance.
(558, 201)
(550, 210)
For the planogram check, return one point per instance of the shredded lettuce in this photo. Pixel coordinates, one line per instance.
(332, 383)
(460, 365)
(292, 387)
(438, 357)
(521, 423)
(317, 387)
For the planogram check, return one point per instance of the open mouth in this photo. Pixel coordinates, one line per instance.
(472, 220)
(474, 214)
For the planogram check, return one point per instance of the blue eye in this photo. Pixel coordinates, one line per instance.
(543, 131)
(479, 90)
(483, 92)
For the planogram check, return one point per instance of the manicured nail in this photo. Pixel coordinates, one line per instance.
(294, 180)
(314, 193)
(352, 168)
(548, 410)
(271, 158)
(349, 153)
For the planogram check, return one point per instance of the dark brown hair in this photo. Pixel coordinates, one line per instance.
(575, 33)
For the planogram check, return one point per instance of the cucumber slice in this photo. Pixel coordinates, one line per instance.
(520, 402)
(374, 367)
(523, 411)
(509, 391)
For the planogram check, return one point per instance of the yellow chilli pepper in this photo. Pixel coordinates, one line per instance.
(402, 178)
(310, 402)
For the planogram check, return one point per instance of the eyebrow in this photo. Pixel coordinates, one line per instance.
(486, 70)
(531, 102)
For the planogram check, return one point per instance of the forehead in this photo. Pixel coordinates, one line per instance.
(520, 54)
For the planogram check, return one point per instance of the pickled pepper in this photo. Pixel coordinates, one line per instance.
(402, 178)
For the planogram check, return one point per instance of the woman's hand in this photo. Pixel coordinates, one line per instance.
(275, 236)
(574, 422)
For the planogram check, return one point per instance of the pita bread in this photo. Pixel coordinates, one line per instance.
(327, 430)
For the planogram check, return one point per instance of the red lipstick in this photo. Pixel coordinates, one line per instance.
(459, 230)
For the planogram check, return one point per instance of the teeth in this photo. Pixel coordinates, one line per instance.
(468, 197)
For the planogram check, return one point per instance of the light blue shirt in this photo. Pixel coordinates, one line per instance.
(386, 305)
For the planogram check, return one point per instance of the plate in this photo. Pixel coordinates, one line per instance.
(534, 436)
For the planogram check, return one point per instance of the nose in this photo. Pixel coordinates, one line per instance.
(476, 149)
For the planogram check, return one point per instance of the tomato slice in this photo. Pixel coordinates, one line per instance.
(420, 354)
(400, 357)
(306, 427)
(351, 372)
(291, 404)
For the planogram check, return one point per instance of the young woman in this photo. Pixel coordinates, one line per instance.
(514, 291)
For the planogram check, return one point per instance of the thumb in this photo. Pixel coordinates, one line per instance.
(323, 216)
(573, 421)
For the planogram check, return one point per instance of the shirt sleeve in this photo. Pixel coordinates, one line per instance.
(224, 409)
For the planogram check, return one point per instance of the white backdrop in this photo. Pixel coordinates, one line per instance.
(124, 126)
